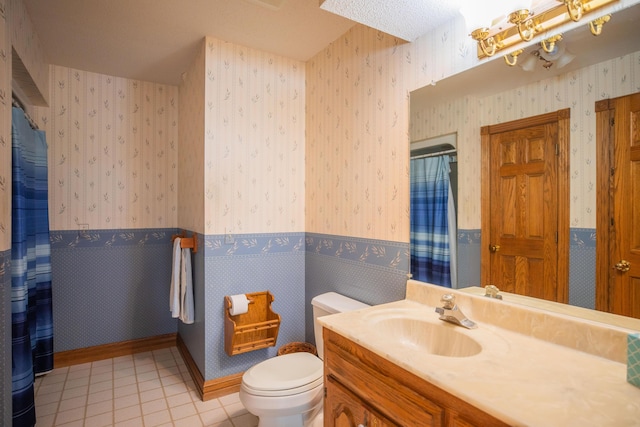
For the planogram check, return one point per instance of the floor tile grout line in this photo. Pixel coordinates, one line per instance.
(165, 362)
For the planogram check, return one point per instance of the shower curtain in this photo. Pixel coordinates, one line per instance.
(31, 309)
(431, 209)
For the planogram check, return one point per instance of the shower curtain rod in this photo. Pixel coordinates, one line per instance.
(454, 158)
(16, 103)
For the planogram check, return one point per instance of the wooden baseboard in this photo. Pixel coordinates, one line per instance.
(107, 351)
(208, 389)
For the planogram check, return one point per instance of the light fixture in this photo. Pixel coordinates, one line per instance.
(596, 25)
(489, 45)
(530, 62)
(524, 23)
(575, 8)
(479, 19)
(514, 57)
(522, 20)
(549, 44)
(558, 55)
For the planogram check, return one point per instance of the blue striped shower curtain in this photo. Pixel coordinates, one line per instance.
(31, 309)
(431, 243)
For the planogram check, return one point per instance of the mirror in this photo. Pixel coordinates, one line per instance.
(462, 104)
(433, 199)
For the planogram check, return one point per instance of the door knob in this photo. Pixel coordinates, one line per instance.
(494, 248)
(623, 266)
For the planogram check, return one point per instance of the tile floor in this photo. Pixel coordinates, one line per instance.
(144, 389)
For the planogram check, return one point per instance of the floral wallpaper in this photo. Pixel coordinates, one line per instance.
(254, 141)
(191, 152)
(113, 145)
(320, 146)
(26, 43)
(357, 161)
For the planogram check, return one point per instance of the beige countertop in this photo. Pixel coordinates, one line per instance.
(556, 307)
(536, 368)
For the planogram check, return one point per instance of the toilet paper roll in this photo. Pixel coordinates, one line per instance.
(239, 304)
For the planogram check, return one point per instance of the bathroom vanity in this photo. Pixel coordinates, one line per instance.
(398, 364)
(363, 388)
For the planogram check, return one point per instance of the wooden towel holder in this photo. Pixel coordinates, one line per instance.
(253, 330)
(187, 242)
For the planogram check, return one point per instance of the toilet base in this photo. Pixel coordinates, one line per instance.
(299, 410)
(310, 419)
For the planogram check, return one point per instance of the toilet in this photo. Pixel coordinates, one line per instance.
(287, 390)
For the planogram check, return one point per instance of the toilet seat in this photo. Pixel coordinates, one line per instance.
(284, 375)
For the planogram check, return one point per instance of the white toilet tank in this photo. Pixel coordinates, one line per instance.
(330, 303)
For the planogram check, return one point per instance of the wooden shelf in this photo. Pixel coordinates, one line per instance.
(253, 330)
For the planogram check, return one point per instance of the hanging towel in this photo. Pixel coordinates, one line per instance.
(186, 288)
(174, 295)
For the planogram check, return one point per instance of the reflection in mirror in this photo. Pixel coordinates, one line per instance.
(494, 93)
(434, 189)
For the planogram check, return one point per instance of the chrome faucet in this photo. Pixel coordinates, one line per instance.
(449, 312)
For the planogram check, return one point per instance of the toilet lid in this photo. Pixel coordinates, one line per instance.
(287, 372)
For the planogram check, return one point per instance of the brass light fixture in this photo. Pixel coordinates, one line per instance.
(514, 57)
(488, 45)
(575, 8)
(549, 44)
(551, 52)
(526, 23)
(596, 25)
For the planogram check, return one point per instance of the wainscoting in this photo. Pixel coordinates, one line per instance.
(213, 388)
(110, 286)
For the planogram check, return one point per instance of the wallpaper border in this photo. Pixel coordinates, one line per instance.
(379, 253)
(469, 237)
(253, 244)
(580, 237)
(370, 251)
(70, 239)
(583, 237)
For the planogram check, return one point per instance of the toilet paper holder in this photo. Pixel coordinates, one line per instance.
(257, 328)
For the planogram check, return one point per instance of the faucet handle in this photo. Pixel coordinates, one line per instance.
(491, 291)
(448, 301)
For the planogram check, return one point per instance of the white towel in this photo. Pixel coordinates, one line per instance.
(174, 294)
(186, 288)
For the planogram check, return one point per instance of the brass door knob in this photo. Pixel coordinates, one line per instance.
(623, 266)
(494, 248)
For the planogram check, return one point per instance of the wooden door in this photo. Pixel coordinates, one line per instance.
(618, 200)
(525, 229)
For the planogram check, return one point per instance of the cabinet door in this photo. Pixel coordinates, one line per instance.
(455, 419)
(343, 409)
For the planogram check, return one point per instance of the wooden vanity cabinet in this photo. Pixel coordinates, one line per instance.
(347, 410)
(364, 389)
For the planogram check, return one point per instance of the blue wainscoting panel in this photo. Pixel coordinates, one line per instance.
(110, 286)
(5, 335)
(582, 268)
(371, 271)
(193, 335)
(469, 258)
(252, 263)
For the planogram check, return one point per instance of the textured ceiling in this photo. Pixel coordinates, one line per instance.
(405, 19)
(156, 40)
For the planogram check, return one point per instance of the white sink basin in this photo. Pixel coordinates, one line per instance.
(423, 332)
